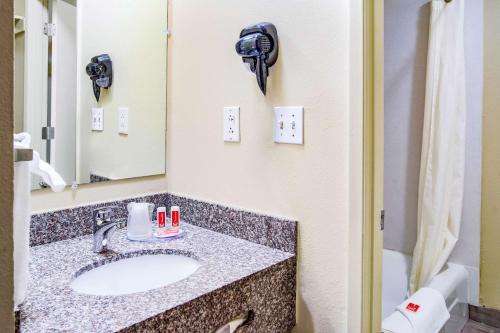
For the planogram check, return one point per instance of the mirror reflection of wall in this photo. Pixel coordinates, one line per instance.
(54, 96)
(63, 87)
(140, 151)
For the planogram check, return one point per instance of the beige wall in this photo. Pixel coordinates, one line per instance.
(134, 35)
(6, 167)
(318, 183)
(309, 183)
(490, 227)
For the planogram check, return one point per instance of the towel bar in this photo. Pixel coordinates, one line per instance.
(23, 154)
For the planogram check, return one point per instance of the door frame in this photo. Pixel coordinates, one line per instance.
(373, 163)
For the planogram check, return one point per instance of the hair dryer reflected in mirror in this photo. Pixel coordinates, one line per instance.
(100, 71)
(258, 45)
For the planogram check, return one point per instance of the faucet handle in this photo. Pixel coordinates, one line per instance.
(103, 214)
(104, 226)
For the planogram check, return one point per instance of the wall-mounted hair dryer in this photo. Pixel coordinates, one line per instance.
(258, 45)
(100, 71)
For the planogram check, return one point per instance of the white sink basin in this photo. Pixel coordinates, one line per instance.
(132, 275)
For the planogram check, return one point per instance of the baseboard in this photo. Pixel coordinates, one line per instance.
(485, 315)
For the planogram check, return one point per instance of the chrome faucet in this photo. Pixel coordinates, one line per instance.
(104, 227)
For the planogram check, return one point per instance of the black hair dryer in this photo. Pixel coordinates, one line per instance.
(258, 45)
(100, 71)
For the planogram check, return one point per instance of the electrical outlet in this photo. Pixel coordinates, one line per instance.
(123, 120)
(97, 119)
(288, 124)
(232, 124)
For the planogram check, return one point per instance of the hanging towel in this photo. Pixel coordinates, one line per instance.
(22, 211)
(425, 310)
(40, 167)
(441, 183)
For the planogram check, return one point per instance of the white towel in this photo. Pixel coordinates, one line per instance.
(40, 167)
(22, 211)
(425, 310)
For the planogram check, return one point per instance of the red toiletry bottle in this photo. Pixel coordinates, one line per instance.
(175, 217)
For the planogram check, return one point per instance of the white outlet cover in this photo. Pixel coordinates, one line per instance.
(288, 124)
(123, 120)
(232, 124)
(97, 119)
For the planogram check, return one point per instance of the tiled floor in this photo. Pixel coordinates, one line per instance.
(475, 327)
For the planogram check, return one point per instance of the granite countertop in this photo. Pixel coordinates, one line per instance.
(51, 305)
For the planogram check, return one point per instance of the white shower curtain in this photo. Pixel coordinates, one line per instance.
(441, 183)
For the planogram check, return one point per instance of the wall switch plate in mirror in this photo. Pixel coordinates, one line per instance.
(97, 119)
(123, 120)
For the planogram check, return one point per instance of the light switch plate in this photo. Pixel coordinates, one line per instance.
(123, 120)
(232, 124)
(97, 119)
(288, 124)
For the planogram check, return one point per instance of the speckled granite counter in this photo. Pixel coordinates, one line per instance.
(235, 276)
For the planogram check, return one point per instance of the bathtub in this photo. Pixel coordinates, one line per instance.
(451, 283)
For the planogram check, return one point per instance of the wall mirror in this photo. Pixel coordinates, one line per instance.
(91, 126)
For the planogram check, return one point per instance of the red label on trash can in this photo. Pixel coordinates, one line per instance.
(412, 307)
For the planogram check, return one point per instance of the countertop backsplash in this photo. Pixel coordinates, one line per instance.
(275, 232)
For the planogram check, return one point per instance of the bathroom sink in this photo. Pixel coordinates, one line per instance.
(137, 274)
